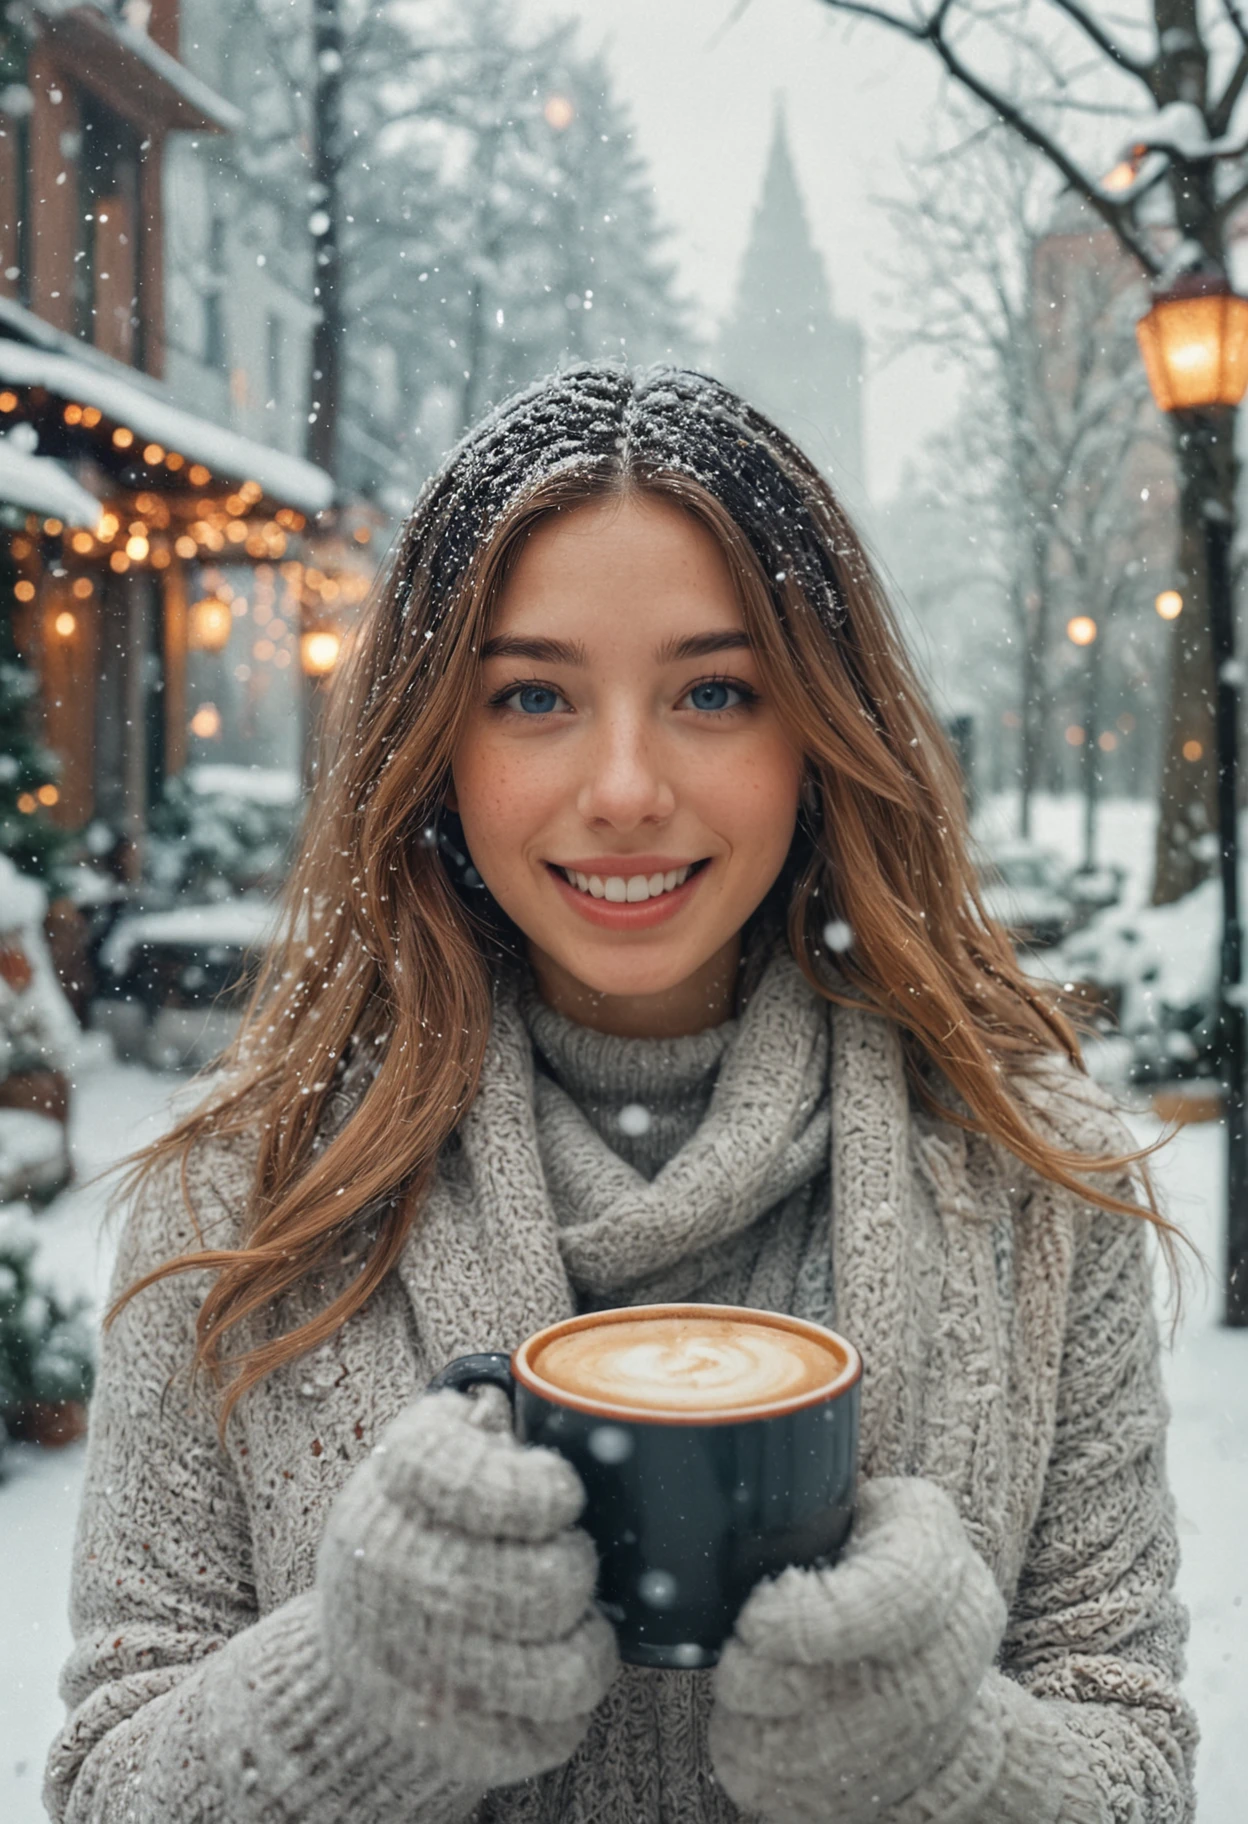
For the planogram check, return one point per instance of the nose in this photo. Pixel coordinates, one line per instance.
(625, 782)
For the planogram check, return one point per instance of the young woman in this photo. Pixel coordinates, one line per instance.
(633, 954)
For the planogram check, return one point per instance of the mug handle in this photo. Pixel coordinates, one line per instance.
(468, 1371)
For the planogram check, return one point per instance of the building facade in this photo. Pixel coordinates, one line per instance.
(126, 492)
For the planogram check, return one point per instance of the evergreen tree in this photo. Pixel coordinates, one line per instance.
(478, 196)
(518, 231)
(549, 242)
(26, 836)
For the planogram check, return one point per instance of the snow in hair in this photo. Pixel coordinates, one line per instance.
(605, 420)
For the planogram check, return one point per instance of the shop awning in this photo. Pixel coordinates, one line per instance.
(36, 484)
(126, 399)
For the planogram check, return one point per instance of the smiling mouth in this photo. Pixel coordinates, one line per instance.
(628, 889)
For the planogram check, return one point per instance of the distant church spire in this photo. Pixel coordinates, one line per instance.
(781, 345)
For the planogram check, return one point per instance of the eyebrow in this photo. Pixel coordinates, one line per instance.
(572, 652)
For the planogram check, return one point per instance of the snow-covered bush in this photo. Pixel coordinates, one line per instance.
(37, 1025)
(46, 1347)
(211, 843)
(1158, 967)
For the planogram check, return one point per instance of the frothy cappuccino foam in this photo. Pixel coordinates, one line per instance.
(687, 1364)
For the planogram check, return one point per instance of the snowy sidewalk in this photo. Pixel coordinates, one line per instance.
(1207, 1374)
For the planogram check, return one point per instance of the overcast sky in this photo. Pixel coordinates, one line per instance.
(702, 91)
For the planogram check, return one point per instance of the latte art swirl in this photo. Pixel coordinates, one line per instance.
(687, 1364)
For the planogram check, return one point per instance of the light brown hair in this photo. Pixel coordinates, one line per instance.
(389, 943)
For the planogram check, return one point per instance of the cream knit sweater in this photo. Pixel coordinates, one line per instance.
(1011, 1358)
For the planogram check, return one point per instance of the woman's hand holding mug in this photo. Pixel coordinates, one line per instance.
(457, 1595)
(845, 1690)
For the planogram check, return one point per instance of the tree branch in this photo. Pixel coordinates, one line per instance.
(931, 31)
(1224, 107)
(1144, 72)
(1229, 204)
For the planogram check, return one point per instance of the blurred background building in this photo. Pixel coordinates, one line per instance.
(782, 345)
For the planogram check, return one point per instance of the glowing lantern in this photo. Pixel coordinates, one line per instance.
(318, 651)
(1194, 342)
(65, 624)
(1169, 604)
(1081, 630)
(206, 722)
(1121, 177)
(209, 625)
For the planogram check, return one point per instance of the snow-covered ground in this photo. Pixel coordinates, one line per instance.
(117, 1107)
(1124, 833)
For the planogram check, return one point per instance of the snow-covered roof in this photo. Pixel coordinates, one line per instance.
(39, 485)
(190, 87)
(244, 924)
(256, 784)
(131, 400)
(200, 99)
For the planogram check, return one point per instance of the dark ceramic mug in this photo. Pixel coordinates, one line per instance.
(689, 1510)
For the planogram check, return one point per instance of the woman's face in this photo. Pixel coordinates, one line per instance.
(622, 735)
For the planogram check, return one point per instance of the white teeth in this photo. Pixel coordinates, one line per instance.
(632, 891)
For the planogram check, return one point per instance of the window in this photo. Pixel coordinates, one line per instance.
(214, 295)
(108, 265)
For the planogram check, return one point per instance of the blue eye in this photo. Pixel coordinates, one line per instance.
(535, 699)
(711, 694)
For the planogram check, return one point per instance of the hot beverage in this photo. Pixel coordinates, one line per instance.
(688, 1364)
(716, 1444)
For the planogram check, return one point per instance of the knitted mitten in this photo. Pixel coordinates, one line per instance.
(844, 1691)
(456, 1596)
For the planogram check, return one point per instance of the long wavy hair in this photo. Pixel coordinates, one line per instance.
(389, 943)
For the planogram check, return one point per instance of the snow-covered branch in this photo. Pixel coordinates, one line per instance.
(932, 29)
(1236, 18)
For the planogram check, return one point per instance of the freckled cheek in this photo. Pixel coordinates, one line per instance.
(762, 785)
(503, 797)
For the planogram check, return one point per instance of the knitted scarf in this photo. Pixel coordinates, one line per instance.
(530, 1183)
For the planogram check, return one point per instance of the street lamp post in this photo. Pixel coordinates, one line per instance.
(319, 652)
(1194, 342)
(1081, 630)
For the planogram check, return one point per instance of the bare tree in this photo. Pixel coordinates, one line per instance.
(1045, 456)
(1153, 103)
